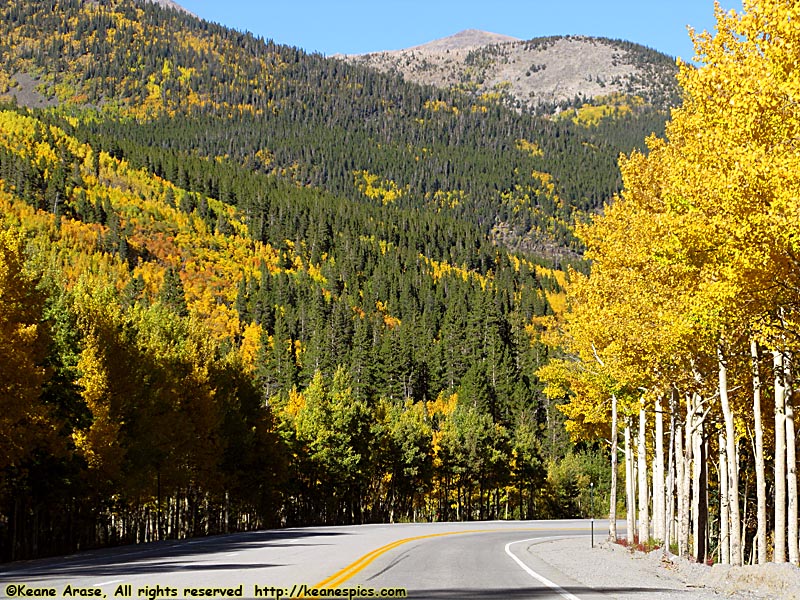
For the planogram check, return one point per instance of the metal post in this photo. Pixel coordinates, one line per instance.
(591, 498)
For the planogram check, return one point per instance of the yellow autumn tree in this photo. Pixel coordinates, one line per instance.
(25, 422)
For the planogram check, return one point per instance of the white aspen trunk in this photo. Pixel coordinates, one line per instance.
(685, 481)
(779, 539)
(659, 498)
(629, 485)
(635, 487)
(758, 454)
(724, 522)
(670, 491)
(743, 535)
(680, 467)
(733, 471)
(699, 483)
(612, 502)
(791, 469)
(644, 499)
(697, 441)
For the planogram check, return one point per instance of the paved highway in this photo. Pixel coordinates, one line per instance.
(431, 560)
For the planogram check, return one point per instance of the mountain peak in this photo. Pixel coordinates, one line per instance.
(468, 38)
(538, 72)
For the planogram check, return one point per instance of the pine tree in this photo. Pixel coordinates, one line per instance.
(172, 294)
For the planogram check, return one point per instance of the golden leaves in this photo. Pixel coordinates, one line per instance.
(695, 249)
(386, 190)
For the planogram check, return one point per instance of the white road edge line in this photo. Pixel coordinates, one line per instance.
(553, 586)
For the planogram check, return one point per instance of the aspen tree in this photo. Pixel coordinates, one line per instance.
(791, 478)
(23, 418)
(779, 535)
(733, 479)
(659, 498)
(669, 531)
(758, 452)
(724, 522)
(641, 456)
(630, 485)
(612, 509)
(701, 244)
(684, 495)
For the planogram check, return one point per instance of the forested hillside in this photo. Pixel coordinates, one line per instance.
(685, 334)
(365, 364)
(199, 88)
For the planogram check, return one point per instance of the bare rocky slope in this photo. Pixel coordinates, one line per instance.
(170, 4)
(539, 74)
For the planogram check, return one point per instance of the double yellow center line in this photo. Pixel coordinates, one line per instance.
(359, 565)
(343, 575)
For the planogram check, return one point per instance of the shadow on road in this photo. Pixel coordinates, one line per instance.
(167, 556)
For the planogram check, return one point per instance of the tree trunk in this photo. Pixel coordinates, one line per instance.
(758, 453)
(670, 491)
(733, 471)
(629, 485)
(684, 483)
(659, 498)
(644, 499)
(697, 475)
(612, 502)
(791, 471)
(779, 553)
(702, 497)
(724, 519)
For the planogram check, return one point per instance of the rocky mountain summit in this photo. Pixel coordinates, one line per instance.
(538, 74)
(170, 4)
(467, 39)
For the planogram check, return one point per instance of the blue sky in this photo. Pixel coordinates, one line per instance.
(356, 26)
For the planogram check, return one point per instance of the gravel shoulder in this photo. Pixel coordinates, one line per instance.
(617, 572)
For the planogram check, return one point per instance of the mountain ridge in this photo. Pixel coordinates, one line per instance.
(467, 38)
(539, 74)
(172, 5)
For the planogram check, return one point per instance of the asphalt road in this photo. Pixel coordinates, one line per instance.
(431, 560)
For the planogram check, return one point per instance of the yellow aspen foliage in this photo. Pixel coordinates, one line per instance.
(529, 147)
(437, 270)
(440, 411)
(295, 403)
(251, 337)
(447, 199)
(100, 443)
(440, 105)
(699, 247)
(443, 406)
(386, 190)
(585, 392)
(25, 423)
(223, 321)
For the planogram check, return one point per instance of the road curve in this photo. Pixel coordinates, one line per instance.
(431, 560)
